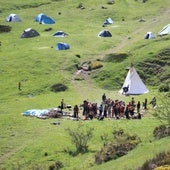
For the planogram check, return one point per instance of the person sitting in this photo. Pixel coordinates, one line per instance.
(125, 89)
(100, 117)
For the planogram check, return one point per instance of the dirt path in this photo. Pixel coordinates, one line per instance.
(82, 86)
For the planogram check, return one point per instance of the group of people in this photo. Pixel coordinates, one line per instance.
(109, 108)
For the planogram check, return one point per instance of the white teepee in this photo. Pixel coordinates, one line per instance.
(165, 30)
(133, 83)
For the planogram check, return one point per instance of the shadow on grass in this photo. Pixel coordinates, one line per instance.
(74, 153)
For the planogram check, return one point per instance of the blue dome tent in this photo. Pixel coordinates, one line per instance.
(44, 19)
(62, 46)
(60, 34)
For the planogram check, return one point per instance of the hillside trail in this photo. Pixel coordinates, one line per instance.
(83, 88)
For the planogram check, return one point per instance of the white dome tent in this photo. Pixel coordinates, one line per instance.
(13, 18)
(149, 35)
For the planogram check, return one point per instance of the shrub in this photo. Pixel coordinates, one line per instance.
(164, 88)
(5, 28)
(80, 137)
(95, 65)
(161, 131)
(166, 167)
(162, 111)
(58, 87)
(56, 166)
(113, 150)
(161, 159)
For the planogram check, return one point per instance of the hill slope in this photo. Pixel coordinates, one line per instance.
(29, 143)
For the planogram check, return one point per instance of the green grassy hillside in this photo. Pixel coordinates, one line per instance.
(38, 66)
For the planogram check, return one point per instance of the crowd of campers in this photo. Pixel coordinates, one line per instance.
(116, 109)
(113, 109)
(108, 108)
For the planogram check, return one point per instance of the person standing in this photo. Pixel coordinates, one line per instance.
(138, 107)
(100, 110)
(19, 86)
(153, 102)
(62, 105)
(127, 113)
(105, 110)
(104, 97)
(76, 111)
(145, 104)
(133, 102)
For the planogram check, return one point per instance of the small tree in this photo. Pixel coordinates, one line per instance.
(162, 111)
(80, 137)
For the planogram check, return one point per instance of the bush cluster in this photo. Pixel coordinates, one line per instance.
(160, 162)
(161, 131)
(121, 146)
(166, 167)
(56, 166)
(58, 87)
(5, 28)
(95, 65)
(164, 88)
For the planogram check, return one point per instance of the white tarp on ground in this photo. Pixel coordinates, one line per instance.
(35, 112)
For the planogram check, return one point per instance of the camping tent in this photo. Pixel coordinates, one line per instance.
(133, 83)
(29, 33)
(62, 46)
(44, 19)
(149, 35)
(13, 18)
(60, 34)
(104, 33)
(165, 30)
(108, 21)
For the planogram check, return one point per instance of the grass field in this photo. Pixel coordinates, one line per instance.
(24, 141)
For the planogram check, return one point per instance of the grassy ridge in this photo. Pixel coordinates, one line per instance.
(37, 64)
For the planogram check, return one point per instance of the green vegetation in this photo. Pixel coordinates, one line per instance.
(80, 138)
(160, 162)
(47, 76)
(115, 149)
